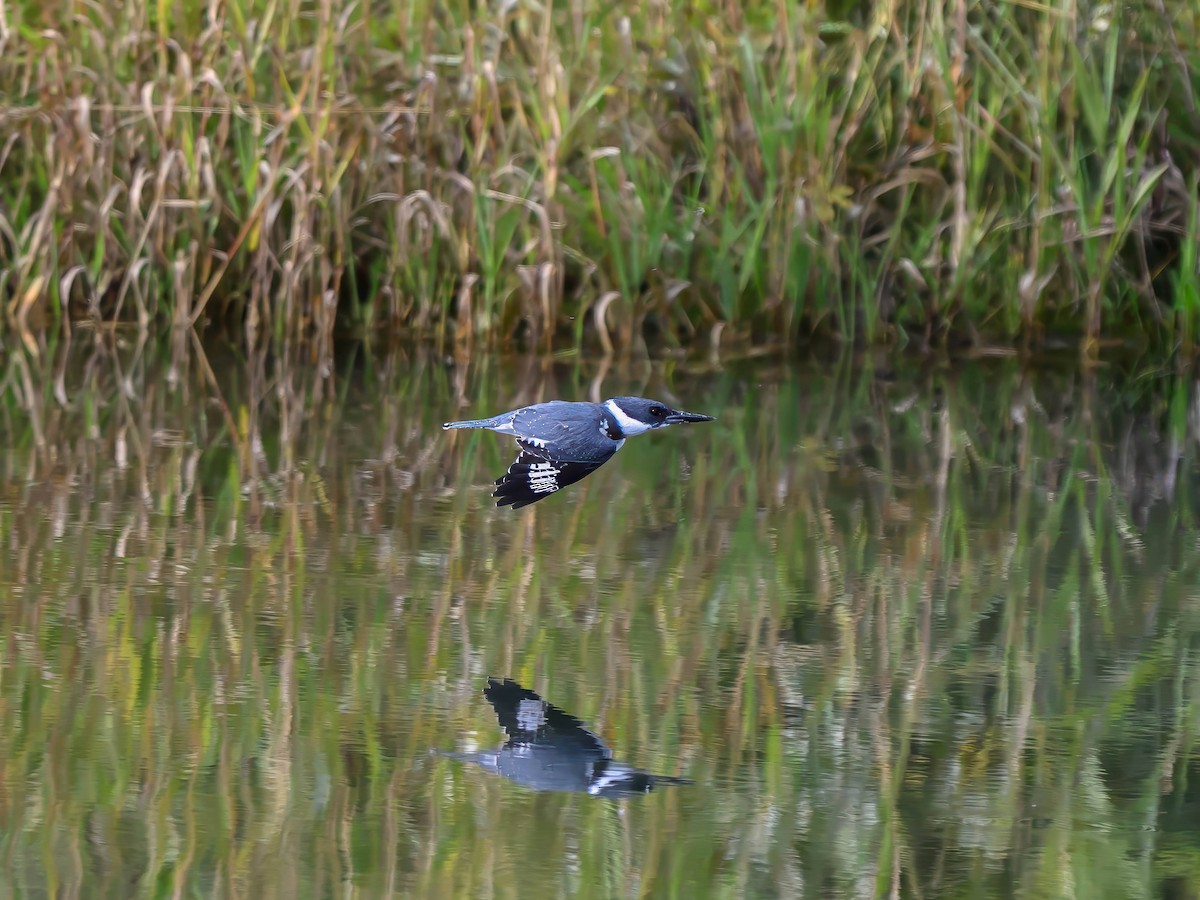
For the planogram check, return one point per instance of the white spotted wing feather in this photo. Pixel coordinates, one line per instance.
(533, 477)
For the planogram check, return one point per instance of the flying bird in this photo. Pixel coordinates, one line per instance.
(562, 442)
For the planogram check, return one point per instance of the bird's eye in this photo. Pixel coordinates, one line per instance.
(658, 412)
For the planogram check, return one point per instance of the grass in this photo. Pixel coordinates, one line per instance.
(926, 172)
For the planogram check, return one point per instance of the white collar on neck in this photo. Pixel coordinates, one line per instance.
(629, 427)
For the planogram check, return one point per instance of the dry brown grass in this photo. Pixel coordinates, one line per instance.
(928, 171)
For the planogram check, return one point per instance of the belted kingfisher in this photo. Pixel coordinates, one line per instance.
(562, 442)
(550, 750)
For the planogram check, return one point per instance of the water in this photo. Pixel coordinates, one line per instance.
(911, 632)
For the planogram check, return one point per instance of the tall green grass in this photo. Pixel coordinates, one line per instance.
(925, 171)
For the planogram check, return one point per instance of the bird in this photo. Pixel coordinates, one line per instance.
(551, 750)
(561, 442)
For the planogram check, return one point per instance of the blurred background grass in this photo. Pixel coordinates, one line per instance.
(603, 174)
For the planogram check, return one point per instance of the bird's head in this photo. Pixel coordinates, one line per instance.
(638, 414)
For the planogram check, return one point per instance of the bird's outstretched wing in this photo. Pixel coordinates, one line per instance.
(528, 719)
(533, 476)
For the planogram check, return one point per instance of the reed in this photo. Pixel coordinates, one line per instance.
(928, 171)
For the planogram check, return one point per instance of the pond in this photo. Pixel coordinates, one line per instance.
(903, 629)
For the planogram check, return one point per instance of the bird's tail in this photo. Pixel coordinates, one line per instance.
(472, 423)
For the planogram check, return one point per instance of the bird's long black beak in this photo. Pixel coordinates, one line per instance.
(680, 418)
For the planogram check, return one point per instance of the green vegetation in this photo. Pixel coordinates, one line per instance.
(924, 171)
(928, 634)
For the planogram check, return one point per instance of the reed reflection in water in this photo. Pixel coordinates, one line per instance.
(910, 632)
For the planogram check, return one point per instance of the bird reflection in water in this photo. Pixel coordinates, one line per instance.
(551, 750)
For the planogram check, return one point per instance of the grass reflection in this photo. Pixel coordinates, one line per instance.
(911, 633)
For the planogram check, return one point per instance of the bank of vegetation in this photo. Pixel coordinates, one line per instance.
(602, 174)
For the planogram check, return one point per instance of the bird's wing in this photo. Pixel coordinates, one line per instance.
(533, 476)
(528, 719)
(572, 428)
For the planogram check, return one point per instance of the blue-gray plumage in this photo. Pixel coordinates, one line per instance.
(551, 750)
(562, 442)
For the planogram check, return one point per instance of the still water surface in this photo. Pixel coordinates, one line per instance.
(909, 632)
